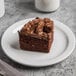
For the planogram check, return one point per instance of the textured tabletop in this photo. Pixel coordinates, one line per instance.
(21, 9)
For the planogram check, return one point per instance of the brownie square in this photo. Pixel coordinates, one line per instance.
(37, 35)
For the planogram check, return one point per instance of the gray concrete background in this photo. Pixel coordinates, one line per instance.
(21, 9)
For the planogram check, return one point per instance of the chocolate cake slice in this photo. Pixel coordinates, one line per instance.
(37, 35)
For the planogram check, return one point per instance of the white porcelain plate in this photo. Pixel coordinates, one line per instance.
(62, 47)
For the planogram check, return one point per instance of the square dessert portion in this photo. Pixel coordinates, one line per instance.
(37, 35)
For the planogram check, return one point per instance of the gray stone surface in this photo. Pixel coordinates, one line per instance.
(21, 9)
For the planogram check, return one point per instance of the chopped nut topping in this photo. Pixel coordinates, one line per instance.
(38, 26)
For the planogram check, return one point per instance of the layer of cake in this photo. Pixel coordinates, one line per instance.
(35, 44)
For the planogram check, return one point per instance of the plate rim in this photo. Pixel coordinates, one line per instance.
(53, 60)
